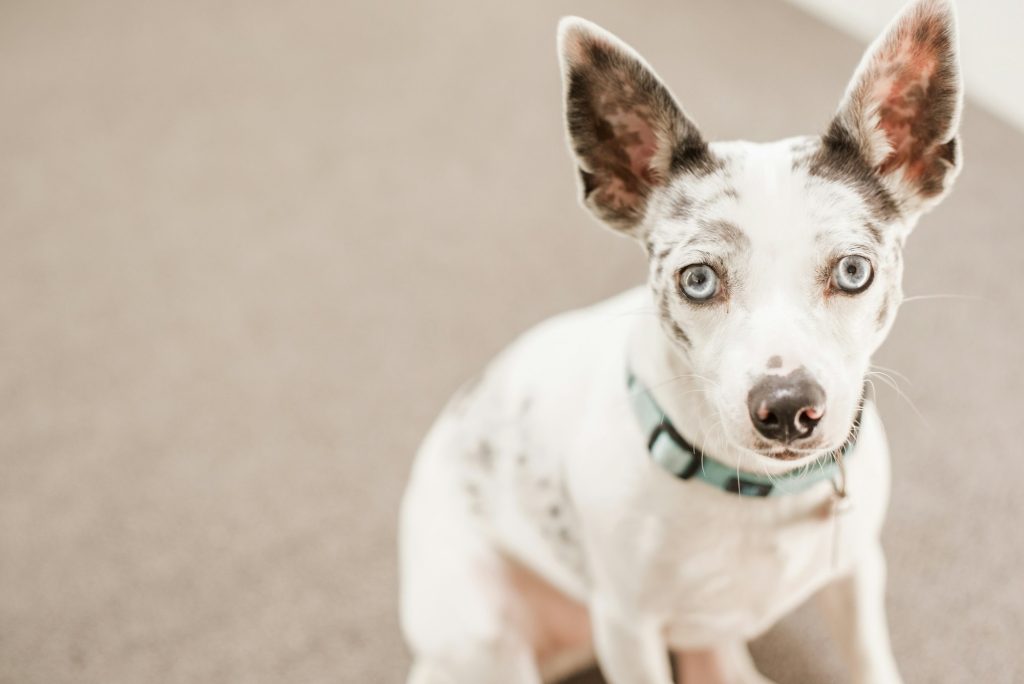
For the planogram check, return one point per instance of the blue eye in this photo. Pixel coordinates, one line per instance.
(852, 274)
(698, 282)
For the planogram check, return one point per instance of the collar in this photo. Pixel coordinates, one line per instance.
(671, 451)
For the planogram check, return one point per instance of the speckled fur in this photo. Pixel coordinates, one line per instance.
(536, 532)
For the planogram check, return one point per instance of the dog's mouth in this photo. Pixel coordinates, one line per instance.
(786, 455)
(789, 453)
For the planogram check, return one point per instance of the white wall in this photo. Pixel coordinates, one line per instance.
(991, 44)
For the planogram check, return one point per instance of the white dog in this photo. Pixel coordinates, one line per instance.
(674, 470)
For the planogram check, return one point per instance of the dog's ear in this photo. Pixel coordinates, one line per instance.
(902, 109)
(626, 130)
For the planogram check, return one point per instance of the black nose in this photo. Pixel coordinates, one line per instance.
(786, 408)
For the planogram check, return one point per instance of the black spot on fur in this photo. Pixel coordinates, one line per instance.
(681, 336)
(693, 156)
(722, 233)
(485, 455)
(726, 192)
(883, 314)
(839, 159)
(670, 324)
(476, 504)
(659, 261)
(890, 299)
(682, 206)
(875, 232)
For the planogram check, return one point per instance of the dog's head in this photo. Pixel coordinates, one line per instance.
(775, 268)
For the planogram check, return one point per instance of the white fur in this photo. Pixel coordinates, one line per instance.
(537, 533)
(691, 566)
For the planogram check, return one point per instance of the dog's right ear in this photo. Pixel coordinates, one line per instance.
(627, 131)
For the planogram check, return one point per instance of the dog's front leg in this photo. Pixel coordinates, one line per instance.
(855, 605)
(630, 650)
(726, 664)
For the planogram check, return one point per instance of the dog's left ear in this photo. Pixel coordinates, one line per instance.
(626, 130)
(902, 109)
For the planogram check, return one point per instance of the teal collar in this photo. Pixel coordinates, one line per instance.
(671, 451)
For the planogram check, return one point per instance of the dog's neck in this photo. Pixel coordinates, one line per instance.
(683, 396)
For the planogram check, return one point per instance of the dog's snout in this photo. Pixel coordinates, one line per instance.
(786, 408)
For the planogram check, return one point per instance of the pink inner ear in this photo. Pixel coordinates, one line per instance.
(902, 88)
(627, 147)
(634, 136)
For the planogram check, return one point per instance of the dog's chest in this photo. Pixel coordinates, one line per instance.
(727, 581)
(711, 565)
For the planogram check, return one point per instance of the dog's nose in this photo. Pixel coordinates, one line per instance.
(786, 408)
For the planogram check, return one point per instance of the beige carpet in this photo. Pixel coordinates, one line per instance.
(248, 249)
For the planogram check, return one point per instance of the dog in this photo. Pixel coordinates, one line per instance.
(656, 480)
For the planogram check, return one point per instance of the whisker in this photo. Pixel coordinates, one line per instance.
(928, 297)
(894, 372)
(889, 381)
(698, 390)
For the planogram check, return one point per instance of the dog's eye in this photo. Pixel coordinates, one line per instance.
(853, 274)
(698, 282)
